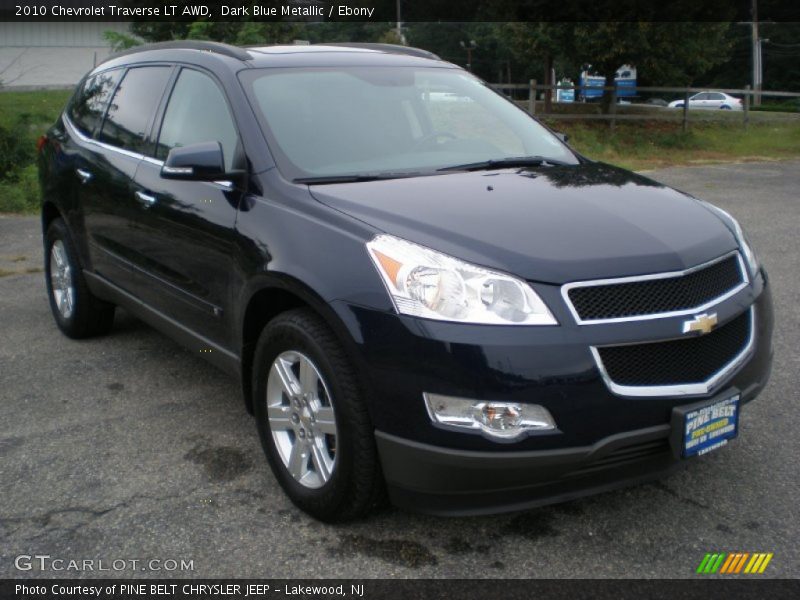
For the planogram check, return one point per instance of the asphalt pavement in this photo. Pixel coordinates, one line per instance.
(130, 448)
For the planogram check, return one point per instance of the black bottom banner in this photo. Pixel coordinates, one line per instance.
(405, 589)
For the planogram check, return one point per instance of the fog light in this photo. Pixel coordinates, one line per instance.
(498, 420)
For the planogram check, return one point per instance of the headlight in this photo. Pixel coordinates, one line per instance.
(426, 283)
(741, 238)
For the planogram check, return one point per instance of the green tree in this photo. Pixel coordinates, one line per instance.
(200, 30)
(674, 53)
(242, 33)
(120, 41)
(543, 44)
(780, 55)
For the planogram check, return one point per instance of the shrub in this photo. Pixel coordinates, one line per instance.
(21, 195)
(16, 150)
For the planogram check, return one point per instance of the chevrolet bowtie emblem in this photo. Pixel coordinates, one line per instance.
(702, 324)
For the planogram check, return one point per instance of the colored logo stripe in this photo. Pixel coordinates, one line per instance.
(734, 563)
(703, 564)
(728, 562)
(711, 562)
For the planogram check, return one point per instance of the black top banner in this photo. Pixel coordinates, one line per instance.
(401, 10)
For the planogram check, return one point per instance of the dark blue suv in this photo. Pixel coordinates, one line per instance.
(421, 288)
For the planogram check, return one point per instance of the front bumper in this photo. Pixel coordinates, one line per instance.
(446, 481)
(452, 482)
(603, 440)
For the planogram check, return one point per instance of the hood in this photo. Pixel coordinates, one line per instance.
(549, 224)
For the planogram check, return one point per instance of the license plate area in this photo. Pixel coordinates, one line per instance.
(705, 426)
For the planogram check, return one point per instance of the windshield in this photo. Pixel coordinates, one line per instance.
(379, 121)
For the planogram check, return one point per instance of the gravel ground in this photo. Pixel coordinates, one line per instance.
(129, 447)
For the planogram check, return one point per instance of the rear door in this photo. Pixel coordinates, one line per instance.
(187, 227)
(81, 165)
(110, 206)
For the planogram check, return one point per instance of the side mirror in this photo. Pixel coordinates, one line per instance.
(195, 162)
(562, 136)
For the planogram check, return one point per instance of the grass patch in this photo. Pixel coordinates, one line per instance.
(652, 144)
(19, 192)
(787, 105)
(24, 116)
(40, 108)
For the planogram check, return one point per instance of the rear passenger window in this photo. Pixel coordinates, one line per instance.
(86, 110)
(197, 112)
(133, 106)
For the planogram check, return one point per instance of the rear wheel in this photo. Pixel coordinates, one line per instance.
(77, 312)
(312, 419)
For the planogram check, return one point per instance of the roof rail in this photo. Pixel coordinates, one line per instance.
(390, 48)
(215, 47)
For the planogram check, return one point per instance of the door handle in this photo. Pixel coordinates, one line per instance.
(146, 199)
(83, 175)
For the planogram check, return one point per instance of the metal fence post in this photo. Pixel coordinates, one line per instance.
(532, 97)
(686, 110)
(747, 106)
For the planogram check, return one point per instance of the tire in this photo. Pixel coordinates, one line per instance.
(725, 107)
(77, 312)
(339, 478)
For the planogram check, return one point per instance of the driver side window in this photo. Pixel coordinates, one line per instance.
(197, 112)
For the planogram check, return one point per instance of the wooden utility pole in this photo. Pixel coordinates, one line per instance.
(548, 80)
(532, 97)
(400, 37)
(469, 47)
(756, 51)
(747, 106)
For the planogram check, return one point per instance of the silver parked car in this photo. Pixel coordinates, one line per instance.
(717, 100)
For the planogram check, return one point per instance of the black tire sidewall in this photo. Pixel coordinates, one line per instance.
(58, 231)
(90, 315)
(287, 333)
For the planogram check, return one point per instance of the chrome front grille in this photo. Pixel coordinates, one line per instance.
(688, 365)
(658, 295)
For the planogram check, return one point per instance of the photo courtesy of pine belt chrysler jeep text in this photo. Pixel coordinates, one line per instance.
(425, 293)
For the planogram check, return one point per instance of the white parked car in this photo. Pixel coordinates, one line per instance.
(710, 100)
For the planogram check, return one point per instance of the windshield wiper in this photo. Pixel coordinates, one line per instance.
(323, 179)
(501, 163)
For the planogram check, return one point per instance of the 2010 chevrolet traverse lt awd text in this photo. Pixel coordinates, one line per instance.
(421, 289)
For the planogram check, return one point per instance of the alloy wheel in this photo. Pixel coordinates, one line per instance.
(301, 418)
(61, 280)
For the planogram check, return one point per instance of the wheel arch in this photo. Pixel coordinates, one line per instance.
(268, 299)
(50, 213)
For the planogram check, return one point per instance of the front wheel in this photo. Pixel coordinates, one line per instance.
(312, 419)
(78, 313)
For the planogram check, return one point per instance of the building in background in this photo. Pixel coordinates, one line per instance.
(52, 54)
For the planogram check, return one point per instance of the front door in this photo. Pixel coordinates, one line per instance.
(188, 226)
